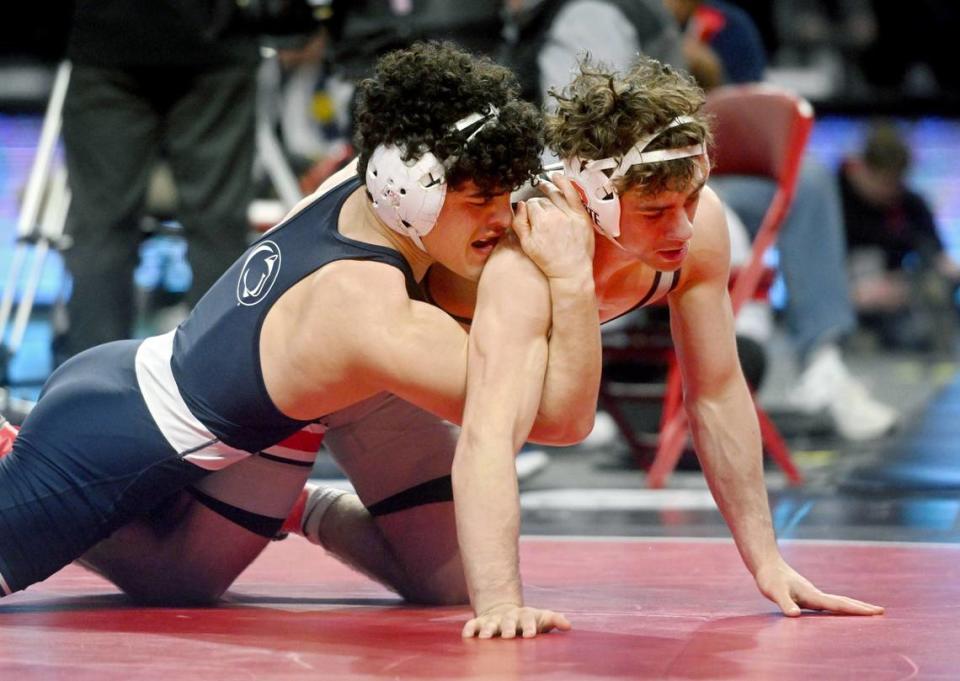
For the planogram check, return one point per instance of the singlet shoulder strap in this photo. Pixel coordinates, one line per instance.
(663, 283)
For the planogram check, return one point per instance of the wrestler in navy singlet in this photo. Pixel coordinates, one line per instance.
(120, 428)
(216, 358)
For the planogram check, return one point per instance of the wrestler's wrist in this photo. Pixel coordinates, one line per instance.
(488, 606)
(575, 281)
(764, 559)
(496, 593)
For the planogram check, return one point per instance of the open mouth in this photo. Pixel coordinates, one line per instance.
(673, 254)
(485, 245)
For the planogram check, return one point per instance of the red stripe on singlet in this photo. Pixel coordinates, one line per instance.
(303, 441)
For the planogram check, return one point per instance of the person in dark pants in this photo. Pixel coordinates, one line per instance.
(165, 80)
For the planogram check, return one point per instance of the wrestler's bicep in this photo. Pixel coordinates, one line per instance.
(419, 353)
(508, 348)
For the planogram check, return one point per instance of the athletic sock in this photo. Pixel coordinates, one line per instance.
(308, 511)
(317, 502)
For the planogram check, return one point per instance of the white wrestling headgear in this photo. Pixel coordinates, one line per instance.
(408, 195)
(598, 182)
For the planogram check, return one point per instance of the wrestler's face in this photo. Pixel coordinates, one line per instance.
(657, 228)
(469, 226)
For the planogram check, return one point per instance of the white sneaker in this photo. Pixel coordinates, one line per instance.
(857, 415)
(604, 434)
(827, 385)
(529, 462)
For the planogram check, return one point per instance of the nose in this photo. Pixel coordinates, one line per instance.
(681, 228)
(501, 216)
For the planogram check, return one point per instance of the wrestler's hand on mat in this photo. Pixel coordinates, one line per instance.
(792, 591)
(508, 620)
(555, 232)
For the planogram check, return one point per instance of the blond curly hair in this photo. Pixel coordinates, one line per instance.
(603, 113)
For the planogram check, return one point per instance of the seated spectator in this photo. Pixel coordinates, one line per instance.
(902, 278)
(721, 44)
(544, 39)
(725, 47)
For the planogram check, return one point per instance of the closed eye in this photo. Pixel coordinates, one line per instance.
(653, 214)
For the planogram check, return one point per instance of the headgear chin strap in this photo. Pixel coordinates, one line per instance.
(597, 178)
(408, 195)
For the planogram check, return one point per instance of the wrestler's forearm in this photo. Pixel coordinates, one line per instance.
(503, 391)
(727, 440)
(569, 401)
(487, 505)
(505, 374)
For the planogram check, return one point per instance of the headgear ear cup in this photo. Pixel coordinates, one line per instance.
(408, 195)
(596, 177)
(597, 191)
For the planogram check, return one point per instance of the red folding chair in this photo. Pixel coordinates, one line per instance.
(759, 130)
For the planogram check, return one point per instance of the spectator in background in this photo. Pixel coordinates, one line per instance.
(165, 79)
(721, 44)
(726, 48)
(364, 30)
(828, 37)
(902, 277)
(545, 38)
(321, 76)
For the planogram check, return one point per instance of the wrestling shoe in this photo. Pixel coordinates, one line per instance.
(8, 433)
(827, 385)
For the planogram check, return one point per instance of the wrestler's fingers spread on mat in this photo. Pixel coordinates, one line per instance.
(509, 625)
(843, 605)
(549, 620)
(509, 621)
(486, 625)
(787, 605)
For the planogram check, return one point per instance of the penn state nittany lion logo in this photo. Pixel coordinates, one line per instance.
(259, 272)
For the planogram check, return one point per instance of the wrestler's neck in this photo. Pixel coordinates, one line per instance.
(364, 225)
(610, 260)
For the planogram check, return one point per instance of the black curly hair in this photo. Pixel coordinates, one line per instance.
(417, 94)
(603, 113)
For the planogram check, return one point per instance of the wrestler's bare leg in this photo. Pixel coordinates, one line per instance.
(413, 552)
(184, 554)
(388, 447)
(195, 544)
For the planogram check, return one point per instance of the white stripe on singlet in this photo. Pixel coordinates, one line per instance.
(179, 426)
(663, 283)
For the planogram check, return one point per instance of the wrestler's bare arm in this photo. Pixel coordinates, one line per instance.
(510, 357)
(430, 369)
(351, 331)
(507, 364)
(723, 420)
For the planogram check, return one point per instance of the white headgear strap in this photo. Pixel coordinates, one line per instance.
(408, 195)
(597, 178)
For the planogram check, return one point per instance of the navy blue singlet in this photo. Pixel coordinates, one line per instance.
(216, 357)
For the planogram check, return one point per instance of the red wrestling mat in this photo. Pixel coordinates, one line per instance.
(640, 610)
